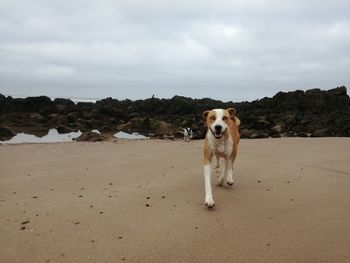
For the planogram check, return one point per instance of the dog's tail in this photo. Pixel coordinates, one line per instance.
(237, 121)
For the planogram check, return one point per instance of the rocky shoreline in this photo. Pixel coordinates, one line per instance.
(311, 113)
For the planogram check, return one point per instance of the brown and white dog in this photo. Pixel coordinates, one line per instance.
(221, 140)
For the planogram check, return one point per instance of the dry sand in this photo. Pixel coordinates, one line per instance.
(87, 202)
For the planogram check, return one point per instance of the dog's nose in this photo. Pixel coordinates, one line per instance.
(218, 127)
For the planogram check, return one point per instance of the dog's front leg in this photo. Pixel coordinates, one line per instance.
(209, 201)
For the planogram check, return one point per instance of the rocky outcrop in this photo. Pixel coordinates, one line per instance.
(314, 113)
(6, 133)
(91, 137)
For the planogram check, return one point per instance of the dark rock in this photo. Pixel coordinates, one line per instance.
(246, 133)
(6, 133)
(321, 133)
(73, 116)
(301, 134)
(91, 137)
(259, 135)
(66, 102)
(64, 129)
(296, 113)
(36, 117)
(62, 121)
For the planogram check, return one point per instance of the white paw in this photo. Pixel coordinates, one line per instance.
(230, 182)
(209, 202)
(220, 181)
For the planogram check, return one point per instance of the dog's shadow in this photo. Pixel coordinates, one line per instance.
(226, 187)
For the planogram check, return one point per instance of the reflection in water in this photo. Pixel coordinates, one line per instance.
(134, 135)
(52, 136)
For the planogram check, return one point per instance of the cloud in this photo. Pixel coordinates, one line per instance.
(230, 50)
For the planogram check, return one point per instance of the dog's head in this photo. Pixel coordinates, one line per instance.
(217, 120)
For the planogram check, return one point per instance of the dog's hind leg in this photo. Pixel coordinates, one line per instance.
(224, 172)
(229, 179)
(217, 161)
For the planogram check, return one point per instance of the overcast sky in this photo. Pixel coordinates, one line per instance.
(228, 50)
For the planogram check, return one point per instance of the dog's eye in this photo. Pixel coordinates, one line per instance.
(212, 118)
(224, 118)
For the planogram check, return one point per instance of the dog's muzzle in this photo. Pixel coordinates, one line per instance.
(218, 134)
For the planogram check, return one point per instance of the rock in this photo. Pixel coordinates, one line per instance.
(91, 137)
(260, 125)
(73, 116)
(246, 133)
(321, 133)
(64, 129)
(289, 134)
(36, 117)
(301, 134)
(62, 120)
(295, 113)
(36, 103)
(6, 133)
(259, 135)
(66, 102)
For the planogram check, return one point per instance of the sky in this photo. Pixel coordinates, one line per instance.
(228, 50)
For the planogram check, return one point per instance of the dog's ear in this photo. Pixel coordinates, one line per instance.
(232, 112)
(205, 115)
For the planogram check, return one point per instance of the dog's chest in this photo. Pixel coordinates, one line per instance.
(223, 148)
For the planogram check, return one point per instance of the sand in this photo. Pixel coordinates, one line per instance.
(142, 201)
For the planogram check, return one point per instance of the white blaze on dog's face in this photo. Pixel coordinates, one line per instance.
(217, 121)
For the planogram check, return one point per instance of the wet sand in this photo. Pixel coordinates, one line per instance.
(142, 201)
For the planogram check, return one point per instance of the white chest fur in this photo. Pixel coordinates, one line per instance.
(221, 146)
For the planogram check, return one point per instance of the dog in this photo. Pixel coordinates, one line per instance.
(221, 140)
(188, 134)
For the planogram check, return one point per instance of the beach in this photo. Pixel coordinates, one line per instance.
(143, 201)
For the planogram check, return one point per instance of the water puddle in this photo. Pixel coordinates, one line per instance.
(52, 136)
(132, 136)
